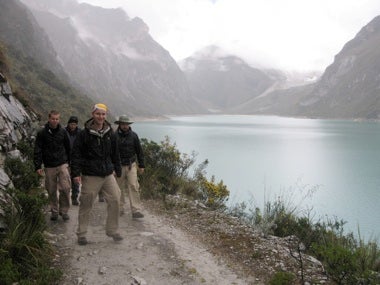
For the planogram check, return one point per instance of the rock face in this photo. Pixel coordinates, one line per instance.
(15, 122)
(350, 86)
(20, 30)
(114, 58)
(15, 125)
(348, 89)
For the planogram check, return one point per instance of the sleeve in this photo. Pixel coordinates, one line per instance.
(139, 152)
(77, 155)
(66, 142)
(37, 154)
(116, 155)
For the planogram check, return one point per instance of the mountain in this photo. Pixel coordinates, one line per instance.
(114, 58)
(30, 63)
(221, 81)
(226, 83)
(348, 89)
(63, 50)
(350, 86)
(19, 29)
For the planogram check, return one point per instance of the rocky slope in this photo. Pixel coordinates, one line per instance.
(348, 89)
(114, 58)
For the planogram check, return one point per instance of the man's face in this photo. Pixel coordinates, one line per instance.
(73, 126)
(99, 116)
(53, 120)
(124, 126)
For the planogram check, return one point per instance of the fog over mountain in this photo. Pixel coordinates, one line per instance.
(114, 58)
(225, 83)
(348, 89)
(222, 81)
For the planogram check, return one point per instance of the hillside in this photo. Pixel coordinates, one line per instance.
(114, 58)
(348, 89)
(40, 90)
(78, 53)
(29, 63)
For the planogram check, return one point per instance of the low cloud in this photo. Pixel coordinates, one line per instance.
(291, 35)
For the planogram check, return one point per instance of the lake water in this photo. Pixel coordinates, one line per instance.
(262, 157)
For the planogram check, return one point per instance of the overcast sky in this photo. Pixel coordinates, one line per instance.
(298, 35)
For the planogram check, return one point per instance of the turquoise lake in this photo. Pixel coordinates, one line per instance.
(329, 166)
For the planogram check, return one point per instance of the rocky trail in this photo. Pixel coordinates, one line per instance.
(153, 253)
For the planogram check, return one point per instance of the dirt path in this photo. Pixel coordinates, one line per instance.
(152, 253)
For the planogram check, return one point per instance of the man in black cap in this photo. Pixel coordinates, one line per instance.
(73, 130)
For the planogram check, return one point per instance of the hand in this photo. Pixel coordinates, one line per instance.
(141, 170)
(77, 180)
(40, 172)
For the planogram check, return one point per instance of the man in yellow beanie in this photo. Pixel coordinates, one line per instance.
(95, 162)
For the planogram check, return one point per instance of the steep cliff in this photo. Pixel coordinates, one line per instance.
(114, 58)
(30, 63)
(350, 87)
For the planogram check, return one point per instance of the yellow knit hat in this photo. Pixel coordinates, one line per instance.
(99, 106)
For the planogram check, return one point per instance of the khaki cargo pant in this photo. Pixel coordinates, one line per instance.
(91, 185)
(57, 180)
(128, 182)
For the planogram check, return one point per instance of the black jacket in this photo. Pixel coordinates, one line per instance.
(130, 148)
(72, 135)
(52, 147)
(95, 153)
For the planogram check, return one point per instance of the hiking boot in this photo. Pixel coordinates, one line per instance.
(74, 202)
(137, 215)
(82, 241)
(116, 237)
(65, 216)
(121, 212)
(101, 199)
(54, 216)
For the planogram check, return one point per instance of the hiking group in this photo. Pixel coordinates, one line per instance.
(90, 162)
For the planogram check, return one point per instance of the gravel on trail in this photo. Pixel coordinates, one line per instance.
(153, 252)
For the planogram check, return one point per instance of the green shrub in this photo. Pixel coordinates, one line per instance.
(282, 278)
(214, 195)
(166, 169)
(21, 170)
(21, 173)
(167, 173)
(26, 149)
(23, 247)
(346, 259)
(25, 253)
(339, 262)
